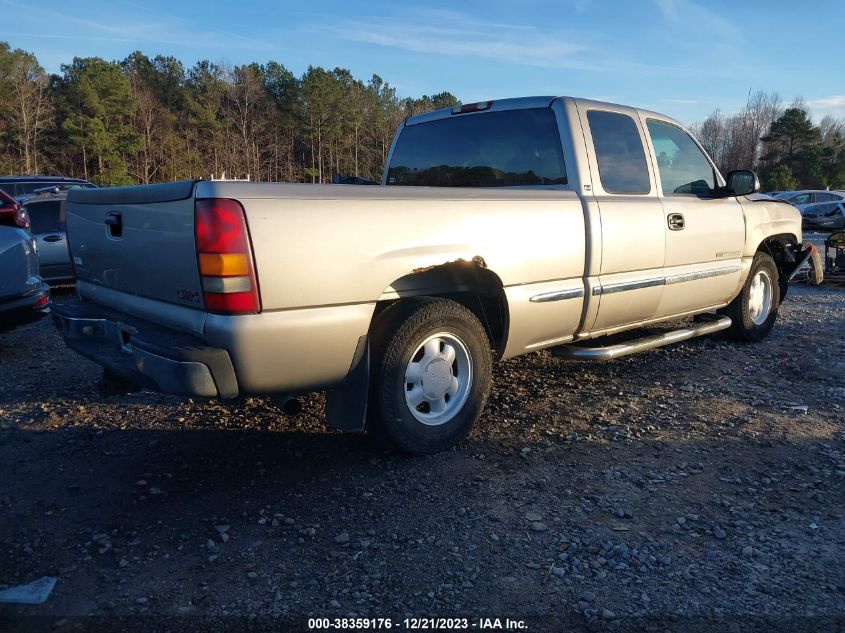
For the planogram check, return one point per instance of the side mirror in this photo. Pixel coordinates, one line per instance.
(742, 182)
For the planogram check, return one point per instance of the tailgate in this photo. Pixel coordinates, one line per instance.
(138, 240)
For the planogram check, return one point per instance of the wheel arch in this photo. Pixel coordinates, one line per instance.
(784, 249)
(469, 283)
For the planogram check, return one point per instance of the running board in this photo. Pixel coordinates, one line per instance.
(713, 324)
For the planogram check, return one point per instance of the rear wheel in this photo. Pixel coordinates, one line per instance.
(755, 309)
(432, 376)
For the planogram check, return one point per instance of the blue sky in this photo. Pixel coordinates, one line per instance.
(680, 57)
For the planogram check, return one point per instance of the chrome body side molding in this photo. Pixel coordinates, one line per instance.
(557, 295)
(628, 285)
(702, 274)
(664, 281)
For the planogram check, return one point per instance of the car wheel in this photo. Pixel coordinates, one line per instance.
(432, 376)
(754, 311)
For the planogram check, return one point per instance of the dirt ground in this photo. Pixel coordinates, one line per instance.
(695, 487)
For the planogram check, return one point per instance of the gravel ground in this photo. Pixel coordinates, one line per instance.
(695, 487)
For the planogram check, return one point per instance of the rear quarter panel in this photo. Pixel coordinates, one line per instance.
(325, 255)
(337, 244)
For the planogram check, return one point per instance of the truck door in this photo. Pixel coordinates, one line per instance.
(705, 235)
(629, 287)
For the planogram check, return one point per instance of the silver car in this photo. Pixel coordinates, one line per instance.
(805, 197)
(47, 216)
(24, 296)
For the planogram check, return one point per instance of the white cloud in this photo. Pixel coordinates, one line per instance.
(691, 15)
(452, 33)
(457, 34)
(140, 27)
(834, 106)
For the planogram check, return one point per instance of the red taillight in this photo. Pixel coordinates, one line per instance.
(41, 302)
(14, 215)
(224, 257)
(472, 107)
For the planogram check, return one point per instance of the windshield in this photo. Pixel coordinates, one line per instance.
(493, 149)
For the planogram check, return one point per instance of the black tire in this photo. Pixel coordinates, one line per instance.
(397, 335)
(743, 327)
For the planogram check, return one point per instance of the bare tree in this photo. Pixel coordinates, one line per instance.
(30, 110)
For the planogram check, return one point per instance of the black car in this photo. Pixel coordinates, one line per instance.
(823, 216)
(22, 186)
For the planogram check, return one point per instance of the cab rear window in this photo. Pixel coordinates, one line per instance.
(492, 149)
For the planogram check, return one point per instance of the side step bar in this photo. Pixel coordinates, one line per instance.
(713, 324)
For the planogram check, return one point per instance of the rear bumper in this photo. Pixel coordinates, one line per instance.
(25, 309)
(145, 353)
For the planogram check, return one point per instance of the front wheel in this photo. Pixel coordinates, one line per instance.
(433, 375)
(755, 309)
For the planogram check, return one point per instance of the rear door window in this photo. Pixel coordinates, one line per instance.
(619, 152)
(45, 217)
(490, 149)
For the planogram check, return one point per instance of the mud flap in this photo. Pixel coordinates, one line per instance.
(346, 404)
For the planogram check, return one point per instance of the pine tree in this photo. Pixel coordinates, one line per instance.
(97, 111)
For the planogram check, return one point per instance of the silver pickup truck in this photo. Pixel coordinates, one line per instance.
(499, 228)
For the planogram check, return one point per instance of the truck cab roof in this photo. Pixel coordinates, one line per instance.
(519, 103)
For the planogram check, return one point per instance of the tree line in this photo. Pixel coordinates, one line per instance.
(780, 142)
(144, 119)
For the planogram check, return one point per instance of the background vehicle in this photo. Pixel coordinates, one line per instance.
(20, 186)
(823, 216)
(24, 297)
(565, 220)
(47, 218)
(800, 199)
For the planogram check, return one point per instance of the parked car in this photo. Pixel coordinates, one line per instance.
(55, 188)
(545, 222)
(24, 297)
(47, 217)
(20, 186)
(801, 199)
(823, 216)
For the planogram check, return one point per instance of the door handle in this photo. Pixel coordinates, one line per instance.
(114, 224)
(53, 238)
(676, 221)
